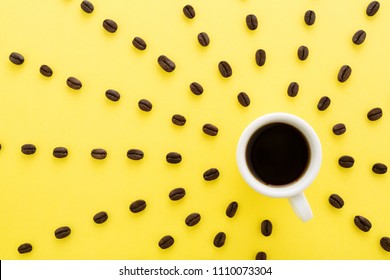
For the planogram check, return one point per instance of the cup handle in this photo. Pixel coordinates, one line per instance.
(301, 207)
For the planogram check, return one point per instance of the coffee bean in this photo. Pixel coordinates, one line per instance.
(46, 71)
(135, 154)
(179, 120)
(16, 58)
(346, 161)
(100, 217)
(339, 129)
(362, 223)
(303, 52)
(211, 174)
(74, 83)
(139, 43)
(293, 89)
(251, 22)
(310, 17)
(28, 149)
(62, 232)
(232, 209)
(374, 114)
(219, 239)
(113, 95)
(25, 248)
(261, 256)
(166, 242)
(166, 64)
(196, 88)
(210, 129)
(137, 206)
(379, 168)
(323, 103)
(372, 8)
(203, 39)
(99, 153)
(177, 194)
(189, 11)
(336, 201)
(87, 6)
(173, 157)
(145, 105)
(110, 25)
(385, 243)
(359, 37)
(225, 69)
(266, 227)
(243, 99)
(60, 152)
(192, 219)
(260, 57)
(344, 73)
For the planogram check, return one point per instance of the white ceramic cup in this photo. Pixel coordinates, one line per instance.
(294, 190)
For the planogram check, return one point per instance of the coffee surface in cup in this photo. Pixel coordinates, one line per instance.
(278, 154)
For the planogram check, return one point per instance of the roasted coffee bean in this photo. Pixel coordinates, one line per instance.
(323, 103)
(16, 58)
(46, 71)
(362, 223)
(243, 99)
(232, 209)
(60, 152)
(310, 17)
(196, 88)
(113, 95)
(99, 153)
(293, 89)
(192, 219)
(210, 129)
(62, 232)
(225, 69)
(344, 73)
(385, 243)
(166, 64)
(266, 227)
(261, 256)
(339, 129)
(203, 39)
(137, 206)
(260, 57)
(346, 161)
(173, 157)
(374, 114)
(100, 217)
(303, 52)
(110, 25)
(359, 37)
(139, 43)
(189, 11)
(74, 83)
(166, 242)
(145, 105)
(177, 194)
(219, 239)
(135, 154)
(372, 8)
(336, 201)
(211, 174)
(251, 22)
(28, 149)
(179, 120)
(379, 168)
(25, 248)
(87, 6)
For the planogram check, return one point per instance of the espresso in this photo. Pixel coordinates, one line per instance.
(278, 154)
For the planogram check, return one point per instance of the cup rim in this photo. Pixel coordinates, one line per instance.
(309, 175)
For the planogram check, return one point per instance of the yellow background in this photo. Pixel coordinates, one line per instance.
(40, 193)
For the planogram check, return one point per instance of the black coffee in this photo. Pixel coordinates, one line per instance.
(278, 154)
